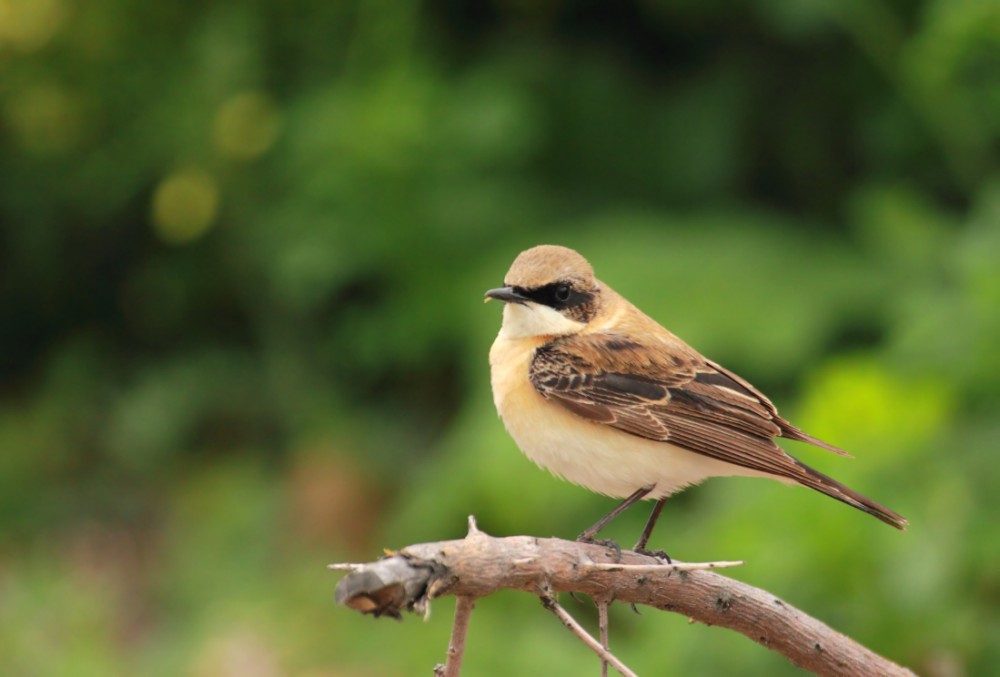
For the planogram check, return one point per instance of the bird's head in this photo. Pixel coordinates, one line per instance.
(548, 291)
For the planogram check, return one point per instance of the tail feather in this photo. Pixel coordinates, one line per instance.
(834, 489)
(792, 433)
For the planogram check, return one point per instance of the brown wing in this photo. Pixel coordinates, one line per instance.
(679, 397)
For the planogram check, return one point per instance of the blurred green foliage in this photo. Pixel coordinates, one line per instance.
(243, 249)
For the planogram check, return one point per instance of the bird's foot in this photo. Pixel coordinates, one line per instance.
(606, 542)
(658, 554)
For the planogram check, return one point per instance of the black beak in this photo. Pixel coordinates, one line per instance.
(506, 294)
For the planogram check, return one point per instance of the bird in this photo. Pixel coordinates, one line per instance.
(600, 394)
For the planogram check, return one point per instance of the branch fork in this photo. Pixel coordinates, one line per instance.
(479, 565)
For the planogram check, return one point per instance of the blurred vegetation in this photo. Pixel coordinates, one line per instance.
(243, 252)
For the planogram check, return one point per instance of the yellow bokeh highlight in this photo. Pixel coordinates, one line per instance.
(246, 125)
(859, 404)
(26, 26)
(185, 205)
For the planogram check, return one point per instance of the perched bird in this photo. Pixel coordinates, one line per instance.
(601, 395)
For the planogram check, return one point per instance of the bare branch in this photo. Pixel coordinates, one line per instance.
(675, 566)
(479, 565)
(607, 657)
(459, 629)
(602, 625)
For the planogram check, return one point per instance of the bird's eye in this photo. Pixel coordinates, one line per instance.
(562, 292)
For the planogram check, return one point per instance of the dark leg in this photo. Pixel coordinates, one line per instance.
(640, 546)
(588, 535)
(650, 523)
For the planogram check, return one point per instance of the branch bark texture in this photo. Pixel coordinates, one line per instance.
(479, 565)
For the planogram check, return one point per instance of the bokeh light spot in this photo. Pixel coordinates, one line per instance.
(246, 125)
(28, 25)
(185, 205)
(856, 402)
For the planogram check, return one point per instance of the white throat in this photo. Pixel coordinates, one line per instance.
(533, 319)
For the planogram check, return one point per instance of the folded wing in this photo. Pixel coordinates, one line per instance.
(680, 397)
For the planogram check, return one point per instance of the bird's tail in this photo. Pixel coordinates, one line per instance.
(834, 489)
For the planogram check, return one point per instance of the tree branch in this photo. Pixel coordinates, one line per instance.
(456, 647)
(607, 658)
(479, 565)
(602, 625)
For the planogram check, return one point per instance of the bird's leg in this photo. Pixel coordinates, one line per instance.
(640, 546)
(588, 535)
(650, 523)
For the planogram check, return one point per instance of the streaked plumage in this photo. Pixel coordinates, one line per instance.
(600, 394)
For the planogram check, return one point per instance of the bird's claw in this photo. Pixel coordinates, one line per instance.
(658, 554)
(606, 542)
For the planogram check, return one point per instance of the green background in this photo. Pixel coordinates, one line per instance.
(244, 246)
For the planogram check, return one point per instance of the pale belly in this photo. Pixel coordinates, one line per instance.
(592, 455)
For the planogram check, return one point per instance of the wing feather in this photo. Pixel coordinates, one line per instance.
(680, 398)
(673, 394)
